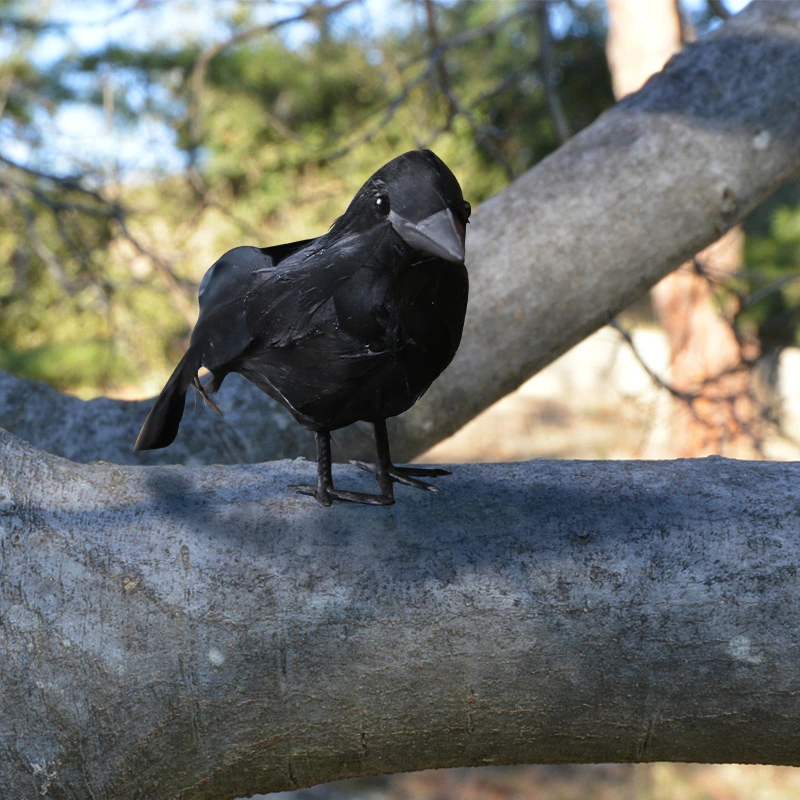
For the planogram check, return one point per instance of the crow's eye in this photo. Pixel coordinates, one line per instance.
(467, 211)
(382, 204)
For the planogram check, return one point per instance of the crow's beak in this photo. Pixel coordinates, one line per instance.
(440, 234)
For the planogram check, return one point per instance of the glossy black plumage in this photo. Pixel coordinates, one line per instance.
(353, 325)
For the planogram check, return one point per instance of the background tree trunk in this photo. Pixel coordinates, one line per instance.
(710, 365)
(206, 633)
(719, 412)
(642, 37)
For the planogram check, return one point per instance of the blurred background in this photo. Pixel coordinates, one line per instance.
(140, 139)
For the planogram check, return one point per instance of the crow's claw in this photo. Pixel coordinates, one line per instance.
(327, 496)
(405, 475)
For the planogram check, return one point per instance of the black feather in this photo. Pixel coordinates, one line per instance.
(161, 426)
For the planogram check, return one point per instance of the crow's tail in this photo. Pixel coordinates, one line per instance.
(161, 426)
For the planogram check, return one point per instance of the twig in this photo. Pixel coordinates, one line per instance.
(690, 398)
(438, 62)
(718, 9)
(765, 291)
(178, 294)
(548, 73)
(198, 76)
(66, 182)
(391, 109)
(467, 37)
(654, 376)
(108, 210)
(34, 26)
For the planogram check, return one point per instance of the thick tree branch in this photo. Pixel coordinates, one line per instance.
(572, 242)
(206, 633)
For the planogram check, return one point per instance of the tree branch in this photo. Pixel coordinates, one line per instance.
(554, 104)
(718, 9)
(749, 428)
(206, 633)
(313, 11)
(59, 201)
(105, 208)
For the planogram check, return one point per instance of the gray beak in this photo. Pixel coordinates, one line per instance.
(440, 234)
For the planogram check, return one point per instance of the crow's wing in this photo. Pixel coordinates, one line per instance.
(325, 331)
(335, 286)
(221, 333)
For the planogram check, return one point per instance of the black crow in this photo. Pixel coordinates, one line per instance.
(353, 325)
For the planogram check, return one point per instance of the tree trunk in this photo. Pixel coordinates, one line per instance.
(642, 37)
(206, 633)
(711, 367)
(552, 258)
(718, 412)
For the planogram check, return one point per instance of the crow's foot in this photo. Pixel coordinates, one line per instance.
(408, 476)
(327, 496)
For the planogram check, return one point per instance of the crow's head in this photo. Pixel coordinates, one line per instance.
(419, 197)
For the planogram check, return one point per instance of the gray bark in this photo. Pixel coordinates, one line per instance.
(552, 258)
(175, 632)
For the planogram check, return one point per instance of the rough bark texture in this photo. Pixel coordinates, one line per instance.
(176, 632)
(553, 257)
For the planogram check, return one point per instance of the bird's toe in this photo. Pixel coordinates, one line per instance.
(407, 480)
(326, 496)
(363, 497)
(321, 496)
(406, 475)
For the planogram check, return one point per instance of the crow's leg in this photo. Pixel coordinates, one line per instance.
(324, 491)
(387, 473)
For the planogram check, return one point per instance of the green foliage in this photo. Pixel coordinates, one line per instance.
(771, 281)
